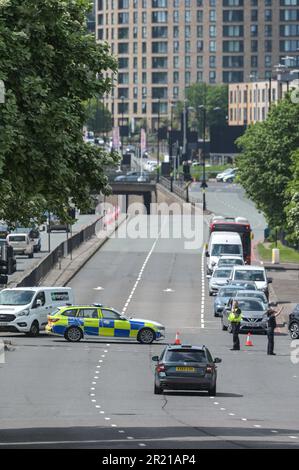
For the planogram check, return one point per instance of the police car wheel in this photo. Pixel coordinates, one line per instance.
(212, 392)
(146, 336)
(73, 334)
(158, 390)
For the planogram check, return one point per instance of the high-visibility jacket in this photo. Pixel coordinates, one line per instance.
(233, 318)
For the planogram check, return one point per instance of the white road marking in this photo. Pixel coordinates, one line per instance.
(140, 274)
(99, 288)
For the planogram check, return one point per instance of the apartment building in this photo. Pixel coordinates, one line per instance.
(164, 46)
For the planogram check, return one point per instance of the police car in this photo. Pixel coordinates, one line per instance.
(76, 322)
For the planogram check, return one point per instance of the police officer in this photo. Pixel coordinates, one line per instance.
(271, 325)
(235, 318)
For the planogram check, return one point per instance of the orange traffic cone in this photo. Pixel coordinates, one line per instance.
(249, 340)
(177, 339)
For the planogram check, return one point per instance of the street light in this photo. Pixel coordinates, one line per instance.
(158, 141)
(204, 181)
(122, 125)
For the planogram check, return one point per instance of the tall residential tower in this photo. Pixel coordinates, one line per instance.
(164, 46)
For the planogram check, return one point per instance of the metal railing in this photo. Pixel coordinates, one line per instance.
(65, 248)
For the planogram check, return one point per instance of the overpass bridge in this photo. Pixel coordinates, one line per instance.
(128, 188)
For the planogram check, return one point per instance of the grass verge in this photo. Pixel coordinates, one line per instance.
(287, 255)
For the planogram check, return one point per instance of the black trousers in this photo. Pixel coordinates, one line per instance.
(270, 335)
(235, 331)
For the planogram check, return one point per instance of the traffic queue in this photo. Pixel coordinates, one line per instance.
(241, 290)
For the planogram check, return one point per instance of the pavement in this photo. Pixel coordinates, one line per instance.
(99, 393)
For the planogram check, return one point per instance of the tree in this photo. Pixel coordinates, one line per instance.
(292, 207)
(265, 162)
(50, 66)
(99, 119)
(214, 98)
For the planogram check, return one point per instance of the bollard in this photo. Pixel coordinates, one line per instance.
(275, 256)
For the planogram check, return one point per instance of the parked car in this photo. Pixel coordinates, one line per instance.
(33, 234)
(254, 316)
(223, 296)
(186, 367)
(56, 223)
(21, 244)
(8, 263)
(220, 176)
(230, 177)
(132, 177)
(218, 279)
(294, 323)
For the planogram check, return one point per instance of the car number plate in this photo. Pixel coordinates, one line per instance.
(185, 369)
(3, 323)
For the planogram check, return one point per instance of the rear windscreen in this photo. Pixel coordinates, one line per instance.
(17, 238)
(186, 356)
(226, 249)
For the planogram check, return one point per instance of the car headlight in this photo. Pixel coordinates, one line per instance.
(24, 313)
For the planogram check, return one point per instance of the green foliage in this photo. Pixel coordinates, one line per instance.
(50, 66)
(265, 165)
(214, 98)
(99, 119)
(292, 207)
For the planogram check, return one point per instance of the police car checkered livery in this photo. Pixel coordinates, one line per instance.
(75, 322)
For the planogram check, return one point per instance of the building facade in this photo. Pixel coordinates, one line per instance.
(164, 46)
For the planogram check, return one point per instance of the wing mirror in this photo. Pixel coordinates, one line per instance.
(270, 280)
(155, 358)
(207, 254)
(217, 360)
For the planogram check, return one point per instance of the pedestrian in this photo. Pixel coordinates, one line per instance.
(235, 318)
(271, 325)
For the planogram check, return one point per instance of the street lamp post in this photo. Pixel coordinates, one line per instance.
(204, 180)
(122, 125)
(158, 141)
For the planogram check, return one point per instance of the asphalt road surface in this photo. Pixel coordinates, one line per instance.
(230, 200)
(99, 393)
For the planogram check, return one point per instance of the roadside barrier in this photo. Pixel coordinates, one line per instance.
(33, 277)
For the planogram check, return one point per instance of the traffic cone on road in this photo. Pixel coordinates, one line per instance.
(177, 339)
(249, 340)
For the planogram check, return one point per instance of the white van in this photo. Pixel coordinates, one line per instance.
(222, 243)
(26, 309)
(21, 243)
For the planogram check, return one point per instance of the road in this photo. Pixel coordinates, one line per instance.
(230, 200)
(99, 394)
(24, 263)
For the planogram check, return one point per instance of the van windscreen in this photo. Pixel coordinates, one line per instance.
(16, 297)
(219, 250)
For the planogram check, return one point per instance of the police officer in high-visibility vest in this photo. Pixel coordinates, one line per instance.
(235, 318)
